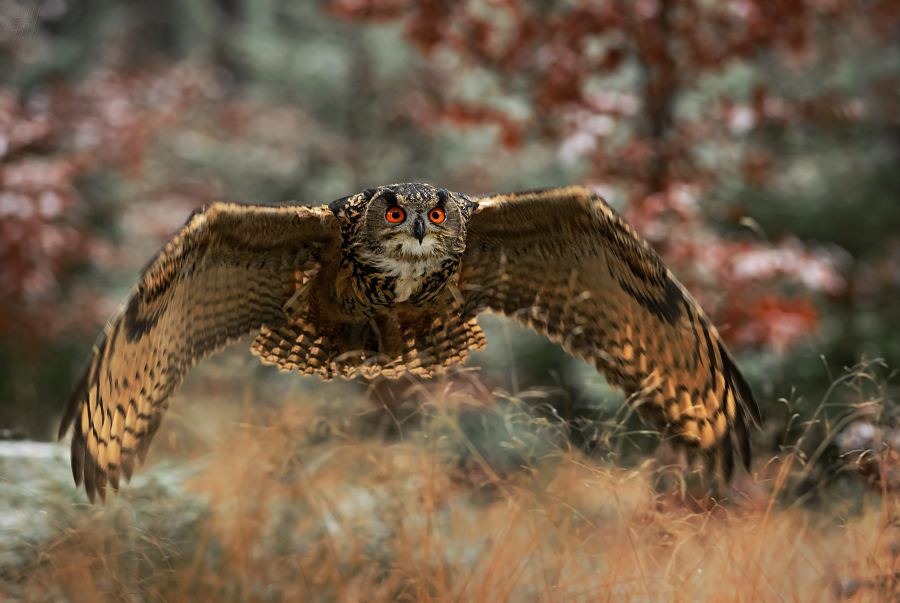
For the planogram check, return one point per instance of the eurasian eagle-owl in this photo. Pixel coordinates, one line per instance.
(390, 281)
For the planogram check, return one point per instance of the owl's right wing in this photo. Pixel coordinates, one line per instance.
(564, 263)
(223, 276)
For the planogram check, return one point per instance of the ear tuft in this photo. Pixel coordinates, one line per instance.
(468, 204)
(339, 205)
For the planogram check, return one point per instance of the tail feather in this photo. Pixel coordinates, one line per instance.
(429, 348)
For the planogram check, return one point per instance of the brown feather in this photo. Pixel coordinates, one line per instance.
(564, 263)
(218, 279)
(321, 286)
(427, 348)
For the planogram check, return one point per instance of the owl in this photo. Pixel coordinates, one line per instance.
(390, 281)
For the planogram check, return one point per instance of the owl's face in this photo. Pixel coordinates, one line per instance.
(401, 243)
(414, 221)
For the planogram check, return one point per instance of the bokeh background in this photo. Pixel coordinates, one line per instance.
(755, 143)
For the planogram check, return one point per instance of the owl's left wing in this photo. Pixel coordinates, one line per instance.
(564, 263)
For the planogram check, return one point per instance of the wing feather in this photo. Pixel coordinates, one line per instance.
(564, 263)
(220, 278)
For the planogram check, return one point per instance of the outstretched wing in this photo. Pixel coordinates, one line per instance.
(564, 263)
(221, 277)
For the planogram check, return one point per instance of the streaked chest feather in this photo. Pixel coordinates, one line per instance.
(409, 274)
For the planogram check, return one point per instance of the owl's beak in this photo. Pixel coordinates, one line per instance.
(419, 229)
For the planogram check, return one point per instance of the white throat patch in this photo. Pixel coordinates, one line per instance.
(419, 262)
(410, 246)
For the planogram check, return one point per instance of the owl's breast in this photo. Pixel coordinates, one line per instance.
(393, 280)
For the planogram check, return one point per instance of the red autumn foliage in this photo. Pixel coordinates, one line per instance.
(632, 139)
(464, 114)
(46, 235)
(555, 55)
(39, 239)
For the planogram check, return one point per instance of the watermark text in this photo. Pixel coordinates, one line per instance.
(21, 28)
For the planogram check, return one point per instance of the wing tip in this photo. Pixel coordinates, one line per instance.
(76, 399)
(726, 458)
(85, 470)
(721, 451)
(96, 479)
(114, 481)
(77, 455)
(747, 410)
(127, 466)
(742, 387)
(743, 437)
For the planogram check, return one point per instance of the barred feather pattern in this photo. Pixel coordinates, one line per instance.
(564, 263)
(220, 278)
(559, 260)
(431, 345)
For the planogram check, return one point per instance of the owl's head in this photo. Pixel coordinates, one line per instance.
(407, 221)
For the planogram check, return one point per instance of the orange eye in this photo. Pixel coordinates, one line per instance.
(437, 215)
(395, 214)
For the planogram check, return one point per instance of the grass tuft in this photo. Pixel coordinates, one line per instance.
(323, 495)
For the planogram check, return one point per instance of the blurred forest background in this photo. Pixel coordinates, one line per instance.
(755, 143)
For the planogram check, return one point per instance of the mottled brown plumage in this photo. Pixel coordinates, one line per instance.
(390, 281)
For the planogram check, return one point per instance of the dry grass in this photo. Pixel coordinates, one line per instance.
(324, 499)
